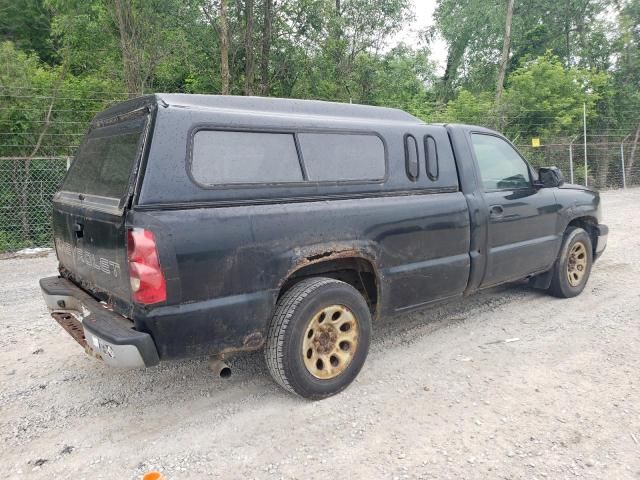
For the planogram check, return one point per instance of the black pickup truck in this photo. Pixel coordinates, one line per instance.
(193, 225)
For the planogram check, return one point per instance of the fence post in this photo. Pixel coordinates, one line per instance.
(624, 180)
(571, 161)
(586, 165)
(624, 175)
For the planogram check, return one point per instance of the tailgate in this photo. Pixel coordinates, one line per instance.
(89, 212)
(91, 247)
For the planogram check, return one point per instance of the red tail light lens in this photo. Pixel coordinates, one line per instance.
(147, 280)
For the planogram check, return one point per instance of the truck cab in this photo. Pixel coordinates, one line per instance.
(196, 225)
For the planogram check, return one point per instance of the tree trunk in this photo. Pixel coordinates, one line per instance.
(123, 13)
(506, 46)
(456, 52)
(266, 49)
(567, 33)
(221, 27)
(632, 156)
(338, 8)
(248, 48)
(223, 33)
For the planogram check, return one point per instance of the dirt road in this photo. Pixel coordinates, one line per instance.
(509, 383)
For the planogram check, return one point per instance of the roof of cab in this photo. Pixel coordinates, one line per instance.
(265, 105)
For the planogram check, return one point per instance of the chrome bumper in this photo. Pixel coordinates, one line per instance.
(101, 332)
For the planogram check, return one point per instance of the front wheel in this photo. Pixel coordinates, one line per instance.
(319, 337)
(573, 267)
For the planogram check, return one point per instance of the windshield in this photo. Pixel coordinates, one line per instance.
(105, 160)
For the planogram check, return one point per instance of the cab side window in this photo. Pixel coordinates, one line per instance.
(501, 167)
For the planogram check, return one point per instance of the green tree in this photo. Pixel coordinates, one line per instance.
(626, 79)
(545, 99)
(43, 114)
(471, 109)
(474, 31)
(27, 23)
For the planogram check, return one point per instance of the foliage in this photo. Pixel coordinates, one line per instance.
(43, 112)
(471, 109)
(546, 99)
(27, 23)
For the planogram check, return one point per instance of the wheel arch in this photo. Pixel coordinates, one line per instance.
(355, 269)
(590, 225)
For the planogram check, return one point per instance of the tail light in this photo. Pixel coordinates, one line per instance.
(147, 280)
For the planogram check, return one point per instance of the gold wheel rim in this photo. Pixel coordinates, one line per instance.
(577, 264)
(330, 341)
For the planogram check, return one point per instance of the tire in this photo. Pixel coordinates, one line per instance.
(315, 319)
(573, 266)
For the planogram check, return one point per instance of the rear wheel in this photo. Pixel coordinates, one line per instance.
(319, 337)
(573, 267)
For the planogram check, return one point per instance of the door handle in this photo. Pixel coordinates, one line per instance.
(496, 211)
(79, 229)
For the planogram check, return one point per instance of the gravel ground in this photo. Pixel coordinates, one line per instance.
(509, 383)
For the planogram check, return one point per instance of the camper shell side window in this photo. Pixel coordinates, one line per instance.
(221, 158)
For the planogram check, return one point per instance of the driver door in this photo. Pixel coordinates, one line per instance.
(522, 230)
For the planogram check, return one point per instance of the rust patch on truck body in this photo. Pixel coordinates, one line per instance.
(313, 258)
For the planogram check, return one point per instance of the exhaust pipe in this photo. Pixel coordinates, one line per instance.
(219, 367)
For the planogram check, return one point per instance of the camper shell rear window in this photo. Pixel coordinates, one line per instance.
(104, 163)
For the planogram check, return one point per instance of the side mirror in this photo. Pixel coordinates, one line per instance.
(550, 177)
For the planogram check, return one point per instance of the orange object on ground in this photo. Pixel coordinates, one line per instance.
(153, 476)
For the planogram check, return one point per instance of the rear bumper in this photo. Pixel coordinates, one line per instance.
(601, 244)
(103, 333)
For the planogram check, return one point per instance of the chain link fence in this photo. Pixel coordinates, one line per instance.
(607, 164)
(40, 133)
(27, 186)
